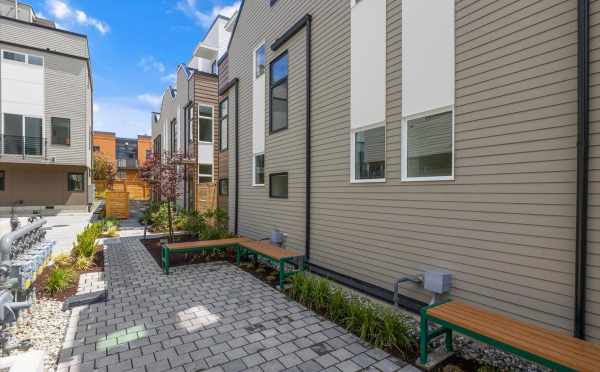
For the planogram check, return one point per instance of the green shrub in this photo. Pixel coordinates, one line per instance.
(63, 259)
(191, 222)
(82, 263)
(160, 218)
(85, 246)
(378, 325)
(147, 217)
(60, 279)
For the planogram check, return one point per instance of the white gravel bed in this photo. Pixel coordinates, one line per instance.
(45, 325)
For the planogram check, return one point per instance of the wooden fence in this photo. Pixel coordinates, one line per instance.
(117, 204)
(138, 190)
(206, 197)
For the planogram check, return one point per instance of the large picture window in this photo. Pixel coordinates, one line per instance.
(75, 182)
(205, 123)
(368, 154)
(259, 170)
(224, 125)
(61, 131)
(278, 185)
(428, 146)
(279, 93)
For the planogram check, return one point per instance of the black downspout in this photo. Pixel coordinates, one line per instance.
(237, 158)
(583, 86)
(306, 21)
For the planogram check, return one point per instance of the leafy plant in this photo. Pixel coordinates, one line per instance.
(322, 294)
(82, 263)
(215, 227)
(60, 279)
(63, 260)
(190, 221)
(337, 308)
(85, 246)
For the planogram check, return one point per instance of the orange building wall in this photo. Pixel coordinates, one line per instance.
(107, 142)
(144, 144)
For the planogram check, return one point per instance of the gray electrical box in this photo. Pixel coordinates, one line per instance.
(437, 281)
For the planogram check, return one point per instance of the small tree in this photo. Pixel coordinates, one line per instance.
(164, 175)
(104, 170)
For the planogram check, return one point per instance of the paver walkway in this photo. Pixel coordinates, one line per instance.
(203, 317)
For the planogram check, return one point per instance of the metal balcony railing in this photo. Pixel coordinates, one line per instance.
(127, 163)
(24, 146)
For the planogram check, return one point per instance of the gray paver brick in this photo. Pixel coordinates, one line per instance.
(234, 366)
(253, 360)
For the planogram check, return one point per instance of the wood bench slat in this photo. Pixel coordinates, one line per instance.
(519, 338)
(206, 243)
(563, 342)
(271, 250)
(551, 345)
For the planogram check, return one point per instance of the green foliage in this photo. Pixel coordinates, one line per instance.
(63, 260)
(160, 218)
(82, 263)
(190, 221)
(488, 369)
(85, 246)
(60, 279)
(378, 325)
(216, 225)
(147, 218)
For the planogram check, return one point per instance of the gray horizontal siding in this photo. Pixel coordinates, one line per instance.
(43, 38)
(505, 227)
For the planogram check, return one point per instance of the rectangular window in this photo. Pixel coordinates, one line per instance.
(224, 127)
(204, 179)
(224, 187)
(205, 123)
(96, 148)
(2, 180)
(279, 93)
(33, 136)
(427, 146)
(368, 161)
(259, 170)
(205, 169)
(61, 131)
(35, 60)
(173, 136)
(278, 185)
(259, 61)
(17, 57)
(75, 182)
(13, 134)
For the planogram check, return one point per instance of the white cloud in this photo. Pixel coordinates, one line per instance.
(150, 99)
(62, 11)
(126, 116)
(205, 19)
(170, 78)
(149, 63)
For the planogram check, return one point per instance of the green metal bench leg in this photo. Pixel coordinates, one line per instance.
(448, 339)
(237, 256)
(423, 338)
(167, 261)
(281, 274)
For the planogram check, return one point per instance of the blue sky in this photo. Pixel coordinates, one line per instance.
(135, 48)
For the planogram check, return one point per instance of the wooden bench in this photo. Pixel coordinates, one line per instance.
(197, 247)
(549, 348)
(273, 253)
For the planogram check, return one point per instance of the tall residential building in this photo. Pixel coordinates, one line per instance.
(387, 138)
(45, 113)
(189, 119)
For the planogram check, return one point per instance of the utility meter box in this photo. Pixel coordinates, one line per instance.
(437, 281)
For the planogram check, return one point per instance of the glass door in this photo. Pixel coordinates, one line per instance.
(13, 134)
(33, 136)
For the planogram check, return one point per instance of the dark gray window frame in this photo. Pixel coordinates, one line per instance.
(221, 117)
(69, 181)
(2, 180)
(52, 132)
(221, 181)
(271, 185)
(272, 86)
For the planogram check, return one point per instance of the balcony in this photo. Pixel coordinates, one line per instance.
(127, 164)
(23, 146)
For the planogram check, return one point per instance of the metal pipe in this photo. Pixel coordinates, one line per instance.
(583, 100)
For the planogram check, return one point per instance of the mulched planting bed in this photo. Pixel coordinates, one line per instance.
(42, 280)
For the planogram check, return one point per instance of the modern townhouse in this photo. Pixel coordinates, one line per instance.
(391, 137)
(128, 155)
(188, 120)
(45, 113)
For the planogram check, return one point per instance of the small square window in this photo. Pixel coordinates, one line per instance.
(427, 152)
(35, 60)
(369, 154)
(224, 187)
(17, 57)
(259, 170)
(259, 61)
(205, 169)
(278, 187)
(75, 182)
(61, 131)
(2, 180)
